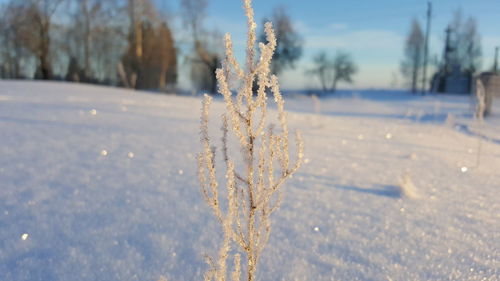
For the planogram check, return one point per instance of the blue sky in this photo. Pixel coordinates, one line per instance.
(372, 31)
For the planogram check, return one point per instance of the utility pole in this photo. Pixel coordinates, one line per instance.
(426, 50)
(445, 67)
(447, 50)
(495, 64)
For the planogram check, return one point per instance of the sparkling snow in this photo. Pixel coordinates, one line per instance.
(100, 184)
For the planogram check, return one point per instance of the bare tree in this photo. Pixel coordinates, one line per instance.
(92, 29)
(14, 36)
(289, 43)
(323, 70)
(344, 68)
(75, 72)
(194, 11)
(206, 61)
(413, 55)
(206, 58)
(29, 29)
(466, 44)
(330, 71)
(87, 13)
(39, 17)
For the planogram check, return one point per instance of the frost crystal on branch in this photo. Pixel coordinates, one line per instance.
(254, 192)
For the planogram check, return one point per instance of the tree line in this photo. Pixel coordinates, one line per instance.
(126, 43)
(131, 43)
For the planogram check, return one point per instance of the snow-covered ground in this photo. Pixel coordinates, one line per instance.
(100, 184)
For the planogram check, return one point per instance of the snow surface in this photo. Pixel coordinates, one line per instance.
(100, 184)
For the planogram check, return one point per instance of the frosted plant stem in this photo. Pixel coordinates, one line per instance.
(480, 109)
(253, 195)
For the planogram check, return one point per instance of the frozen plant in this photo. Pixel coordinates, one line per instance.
(480, 101)
(254, 192)
(479, 114)
(407, 187)
(316, 104)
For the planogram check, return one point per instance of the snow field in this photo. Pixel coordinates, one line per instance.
(100, 184)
